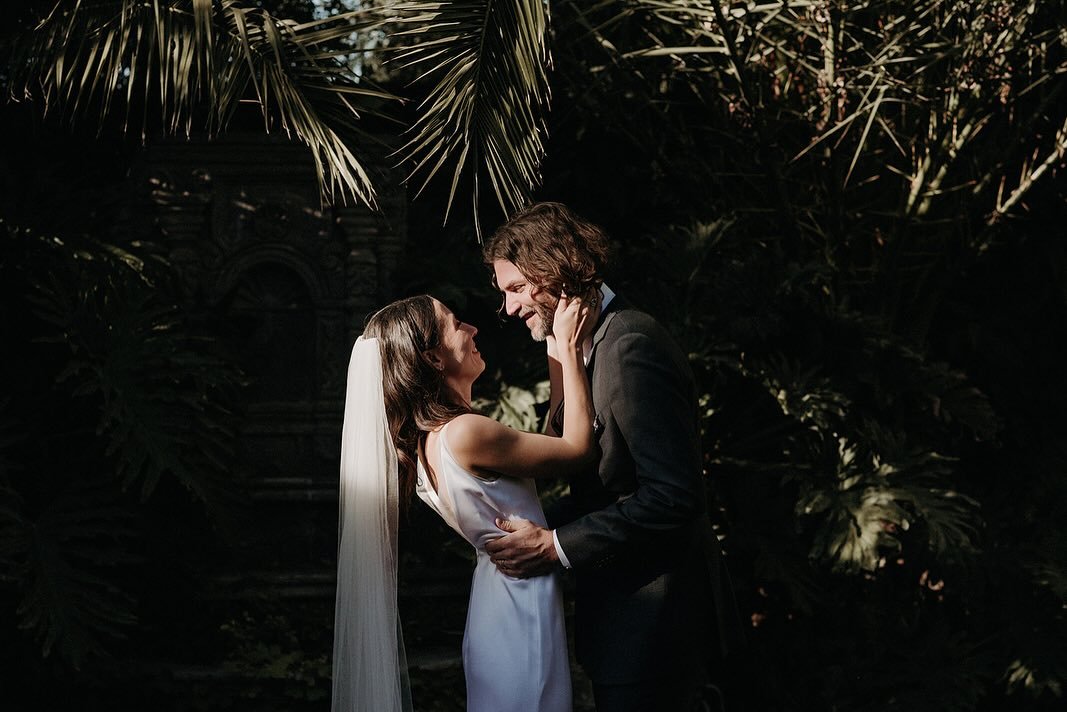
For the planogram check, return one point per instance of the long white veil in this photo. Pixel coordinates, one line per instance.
(369, 664)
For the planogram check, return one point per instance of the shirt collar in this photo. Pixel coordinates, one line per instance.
(606, 295)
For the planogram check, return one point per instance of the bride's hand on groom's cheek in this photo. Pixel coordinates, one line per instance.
(570, 320)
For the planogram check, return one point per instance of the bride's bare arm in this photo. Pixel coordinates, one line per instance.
(568, 331)
(484, 445)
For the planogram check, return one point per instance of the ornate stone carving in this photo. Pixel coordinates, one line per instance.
(231, 208)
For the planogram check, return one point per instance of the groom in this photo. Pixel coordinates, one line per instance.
(653, 604)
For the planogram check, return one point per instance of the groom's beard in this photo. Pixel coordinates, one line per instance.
(545, 317)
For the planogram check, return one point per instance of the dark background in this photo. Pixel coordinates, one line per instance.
(881, 375)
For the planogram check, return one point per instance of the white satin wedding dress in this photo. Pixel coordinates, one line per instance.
(514, 645)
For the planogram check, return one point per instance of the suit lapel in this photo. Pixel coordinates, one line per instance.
(601, 330)
(606, 316)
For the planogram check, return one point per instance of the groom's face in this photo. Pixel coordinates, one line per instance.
(524, 300)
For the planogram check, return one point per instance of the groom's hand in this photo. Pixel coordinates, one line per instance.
(526, 551)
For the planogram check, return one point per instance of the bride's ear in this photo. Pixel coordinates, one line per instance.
(431, 357)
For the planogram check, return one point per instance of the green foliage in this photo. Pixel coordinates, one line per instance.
(896, 99)
(515, 406)
(192, 63)
(488, 62)
(160, 394)
(830, 204)
(842, 460)
(122, 397)
(61, 559)
(269, 649)
(841, 210)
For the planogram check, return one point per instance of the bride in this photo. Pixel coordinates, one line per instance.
(409, 428)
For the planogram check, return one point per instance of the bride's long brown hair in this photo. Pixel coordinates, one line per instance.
(416, 398)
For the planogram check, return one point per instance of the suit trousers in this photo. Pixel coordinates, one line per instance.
(685, 691)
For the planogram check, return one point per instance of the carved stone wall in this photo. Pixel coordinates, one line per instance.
(287, 285)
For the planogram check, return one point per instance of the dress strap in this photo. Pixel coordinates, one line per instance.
(443, 447)
(442, 495)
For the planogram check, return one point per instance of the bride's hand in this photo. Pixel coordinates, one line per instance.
(571, 315)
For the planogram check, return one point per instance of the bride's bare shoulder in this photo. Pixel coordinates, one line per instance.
(471, 426)
(469, 433)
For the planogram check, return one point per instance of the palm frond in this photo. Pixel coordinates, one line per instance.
(8, 436)
(12, 546)
(917, 89)
(950, 517)
(856, 511)
(192, 63)
(873, 492)
(944, 393)
(161, 397)
(1034, 576)
(487, 107)
(1049, 567)
(61, 555)
(1040, 675)
(804, 394)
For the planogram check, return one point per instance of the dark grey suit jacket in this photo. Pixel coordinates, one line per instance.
(651, 586)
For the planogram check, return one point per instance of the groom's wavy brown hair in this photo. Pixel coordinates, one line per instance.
(553, 248)
(416, 397)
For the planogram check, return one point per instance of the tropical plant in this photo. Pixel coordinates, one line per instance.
(122, 398)
(834, 206)
(806, 192)
(189, 65)
(488, 93)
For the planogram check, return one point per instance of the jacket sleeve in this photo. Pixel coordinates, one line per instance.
(649, 390)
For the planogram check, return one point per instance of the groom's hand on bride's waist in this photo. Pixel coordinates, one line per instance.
(525, 549)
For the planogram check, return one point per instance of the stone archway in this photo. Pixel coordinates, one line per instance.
(286, 283)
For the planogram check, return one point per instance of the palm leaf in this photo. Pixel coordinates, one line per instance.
(61, 555)
(192, 63)
(487, 107)
(856, 509)
(870, 489)
(8, 437)
(161, 395)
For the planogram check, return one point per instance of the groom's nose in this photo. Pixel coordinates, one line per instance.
(511, 305)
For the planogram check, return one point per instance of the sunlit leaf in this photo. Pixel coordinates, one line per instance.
(484, 113)
(192, 63)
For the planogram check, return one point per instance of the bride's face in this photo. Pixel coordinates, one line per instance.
(457, 352)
